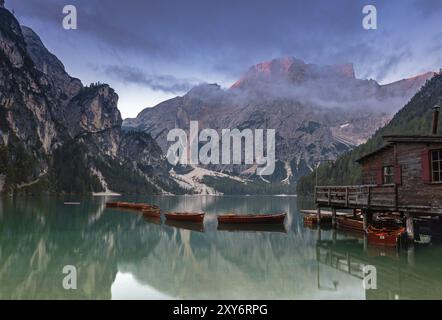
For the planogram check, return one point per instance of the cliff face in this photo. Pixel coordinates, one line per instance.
(57, 135)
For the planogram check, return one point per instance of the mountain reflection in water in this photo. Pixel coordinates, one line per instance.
(121, 255)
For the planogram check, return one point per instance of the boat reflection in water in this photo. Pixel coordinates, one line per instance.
(252, 227)
(186, 225)
(400, 274)
(153, 220)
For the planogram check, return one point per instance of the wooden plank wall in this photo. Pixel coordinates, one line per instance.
(413, 191)
(372, 165)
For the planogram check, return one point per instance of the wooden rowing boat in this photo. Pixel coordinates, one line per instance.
(138, 206)
(132, 206)
(385, 236)
(252, 218)
(185, 216)
(152, 212)
(350, 224)
(112, 204)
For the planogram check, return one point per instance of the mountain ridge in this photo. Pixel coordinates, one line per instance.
(318, 112)
(59, 136)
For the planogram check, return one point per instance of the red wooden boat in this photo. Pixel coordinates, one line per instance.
(252, 218)
(132, 206)
(185, 216)
(385, 236)
(350, 224)
(151, 212)
(138, 206)
(112, 204)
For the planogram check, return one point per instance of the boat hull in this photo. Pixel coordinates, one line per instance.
(152, 213)
(131, 206)
(251, 219)
(350, 224)
(190, 217)
(385, 237)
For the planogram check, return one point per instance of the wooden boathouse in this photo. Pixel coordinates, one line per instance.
(404, 176)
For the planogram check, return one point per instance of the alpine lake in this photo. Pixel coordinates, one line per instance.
(119, 254)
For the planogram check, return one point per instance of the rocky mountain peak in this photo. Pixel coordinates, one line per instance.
(291, 70)
(93, 109)
(344, 70)
(11, 41)
(317, 111)
(52, 69)
(204, 89)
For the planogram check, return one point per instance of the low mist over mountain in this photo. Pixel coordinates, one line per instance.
(414, 118)
(318, 112)
(57, 135)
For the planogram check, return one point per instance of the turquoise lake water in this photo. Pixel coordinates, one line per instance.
(121, 255)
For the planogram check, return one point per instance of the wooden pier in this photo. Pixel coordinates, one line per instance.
(385, 198)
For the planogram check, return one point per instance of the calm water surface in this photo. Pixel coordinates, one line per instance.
(120, 255)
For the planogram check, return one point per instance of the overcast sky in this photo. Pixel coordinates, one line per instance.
(152, 50)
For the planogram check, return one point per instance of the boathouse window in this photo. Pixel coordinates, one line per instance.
(436, 165)
(388, 175)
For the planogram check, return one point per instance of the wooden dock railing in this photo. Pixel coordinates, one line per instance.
(363, 196)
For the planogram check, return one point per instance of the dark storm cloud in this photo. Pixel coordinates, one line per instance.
(228, 36)
(118, 25)
(211, 32)
(164, 83)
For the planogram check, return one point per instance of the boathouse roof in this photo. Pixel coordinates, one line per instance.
(413, 138)
(392, 139)
(368, 155)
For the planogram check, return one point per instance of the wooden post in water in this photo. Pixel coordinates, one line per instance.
(410, 226)
(410, 255)
(333, 217)
(319, 216)
(365, 220)
(354, 213)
